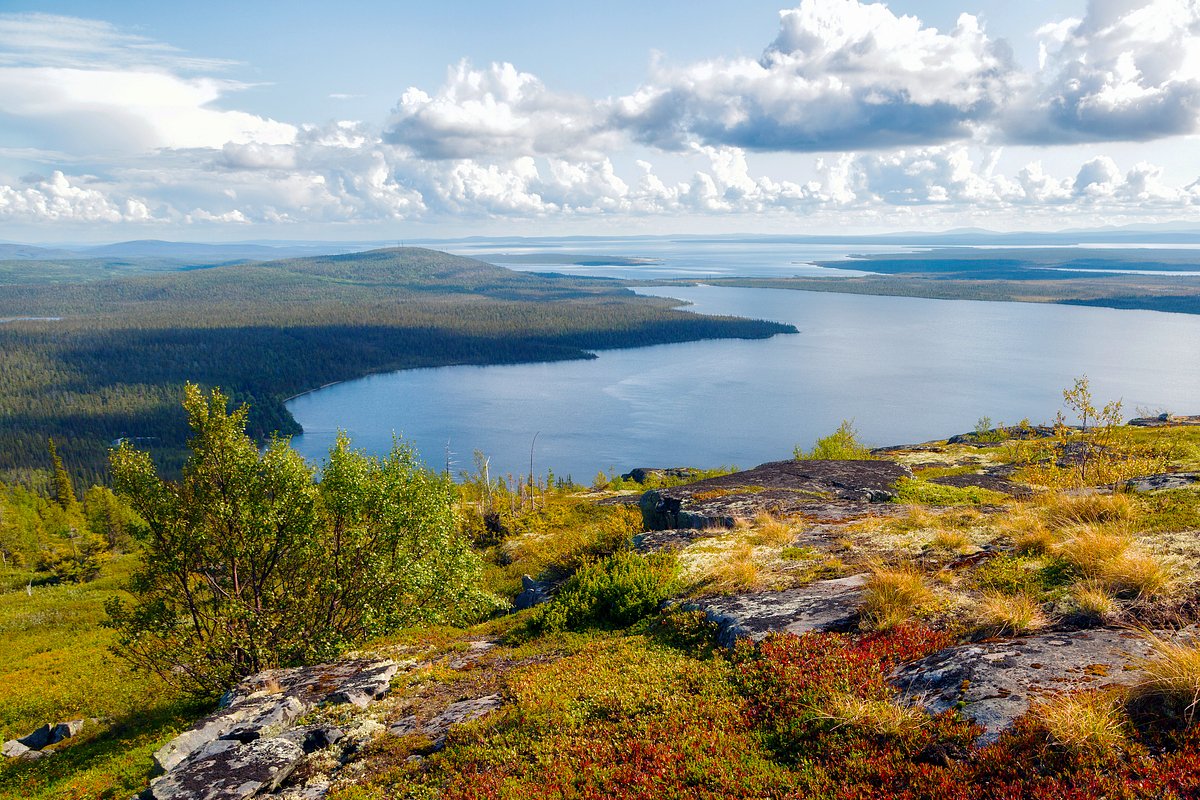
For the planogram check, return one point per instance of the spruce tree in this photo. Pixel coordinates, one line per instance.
(64, 492)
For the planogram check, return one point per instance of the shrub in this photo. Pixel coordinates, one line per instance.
(612, 592)
(250, 563)
(841, 445)
(892, 596)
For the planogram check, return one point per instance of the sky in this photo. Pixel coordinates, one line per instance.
(232, 121)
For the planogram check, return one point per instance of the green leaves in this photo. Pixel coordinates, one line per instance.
(251, 563)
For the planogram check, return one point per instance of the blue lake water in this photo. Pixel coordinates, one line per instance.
(904, 369)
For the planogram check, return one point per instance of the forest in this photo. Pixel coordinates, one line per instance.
(90, 362)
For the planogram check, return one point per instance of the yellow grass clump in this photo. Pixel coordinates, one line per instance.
(881, 717)
(1064, 510)
(999, 613)
(1085, 723)
(1094, 600)
(1172, 677)
(892, 596)
(772, 531)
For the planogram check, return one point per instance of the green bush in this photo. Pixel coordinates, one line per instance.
(841, 445)
(612, 592)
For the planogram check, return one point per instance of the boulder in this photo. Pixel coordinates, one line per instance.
(781, 488)
(643, 474)
(227, 769)
(532, 593)
(14, 749)
(437, 728)
(1164, 421)
(993, 683)
(38, 738)
(65, 730)
(1162, 480)
(819, 606)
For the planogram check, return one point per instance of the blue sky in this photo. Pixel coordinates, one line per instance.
(305, 120)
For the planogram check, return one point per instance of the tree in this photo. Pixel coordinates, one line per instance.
(250, 563)
(64, 492)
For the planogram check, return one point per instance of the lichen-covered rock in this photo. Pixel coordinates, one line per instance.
(1164, 421)
(14, 749)
(227, 769)
(1162, 480)
(437, 728)
(65, 730)
(822, 605)
(532, 593)
(39, 738)
(780, 487)
(993, 683)
(265, 704)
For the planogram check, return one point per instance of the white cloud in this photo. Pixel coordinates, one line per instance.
(1129, 70)
(58, 199)
(840, 75)
(494, 111)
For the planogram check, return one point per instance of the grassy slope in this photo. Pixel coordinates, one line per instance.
(56, 666)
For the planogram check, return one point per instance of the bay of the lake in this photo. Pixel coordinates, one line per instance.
(903, 369)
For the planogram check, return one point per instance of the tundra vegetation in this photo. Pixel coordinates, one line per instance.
(617, 687)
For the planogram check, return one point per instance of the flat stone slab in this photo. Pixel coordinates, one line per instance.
(226, 769)
(822, 605)
(993, 683)
(1163, 480)
(456, 713)
(781, 488)
(992, 483)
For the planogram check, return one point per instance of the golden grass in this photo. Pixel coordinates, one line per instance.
(1094, 600)
(949, 539)
(881, 717)
(771, 531)
(1064, 510)
(1000, 613)
(892, 596)
(1110, 558)
(1091, 550)
(1172, 676)
(738, 572)
(1085, 723)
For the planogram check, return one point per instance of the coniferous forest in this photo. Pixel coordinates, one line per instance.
(90, 362)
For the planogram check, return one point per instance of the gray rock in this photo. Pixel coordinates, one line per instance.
(439, 726)
(779, 487)
(643, 474)
(39, 738)
(653, 541)
(370, 683)
(229, 770)
(65, 730)
(532, 593)
(993, 683)
(1164, 421)
(13, 749)
(264, 705)
(1162, 480)
(822, 605)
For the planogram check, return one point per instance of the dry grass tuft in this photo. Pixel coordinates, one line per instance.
(880, 717)
(771, 531)
(1091, 550)
(949, 539)
(1095, 601)
(1084, 723)
(999, 613)
(738, 572)
(1139, 574)
(1172, 678)
(892, 596)
(1065, 510)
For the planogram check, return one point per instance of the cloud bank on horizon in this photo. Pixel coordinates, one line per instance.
(852, 115)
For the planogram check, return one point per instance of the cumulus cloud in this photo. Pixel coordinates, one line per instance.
(58, 199)
(1129, 70)
(494, 111)
(840, 75)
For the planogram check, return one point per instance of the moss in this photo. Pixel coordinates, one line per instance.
(916, 491)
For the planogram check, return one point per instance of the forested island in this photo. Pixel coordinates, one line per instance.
(90, 359)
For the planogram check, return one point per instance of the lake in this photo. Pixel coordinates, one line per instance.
(903, 369)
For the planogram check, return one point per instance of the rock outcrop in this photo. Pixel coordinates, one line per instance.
(819, 606)
(250, 745)
(993, 683)
(781, 488)
(1162, 480)
(33, 744)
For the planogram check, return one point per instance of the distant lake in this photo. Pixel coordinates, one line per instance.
(904, 369)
